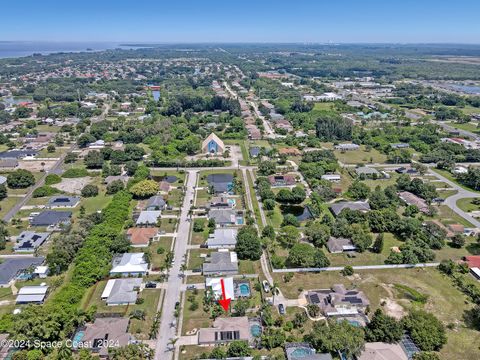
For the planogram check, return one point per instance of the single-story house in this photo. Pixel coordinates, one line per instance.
(412, 199)
(367, 171)
(164, 187)
(99, 144)
(18, 154)
(225, 330)
(8, 163)
(12, 267)
(362, 206)
(213, 145)
(382, 351)
(303, 351)
(62, 202)
(282, 180)
(404, 170)
(338, 301)
(332, 177)
(457, 228)
(223, 217)
(141, 236)
(400, 146)
(111, 178)
(221, 263)
(129, 264)
(221, 202)
(216, 286)
(221, 183)
(51, 218)
(156, 203)
(30, 240)
(115, 329)
(338, 245)
(32, 295)
(222, 239)
(148, 217)
(347, 147)
(121, 291)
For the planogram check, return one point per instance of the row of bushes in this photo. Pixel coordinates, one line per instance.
(57, 319)
(197, 163)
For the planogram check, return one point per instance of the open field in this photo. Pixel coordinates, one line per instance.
(361, 156)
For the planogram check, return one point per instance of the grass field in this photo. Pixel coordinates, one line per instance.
(466, 204)
(470, 126)
(450, 177)
(361, 156)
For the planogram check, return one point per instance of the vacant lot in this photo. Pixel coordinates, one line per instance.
(73, 186)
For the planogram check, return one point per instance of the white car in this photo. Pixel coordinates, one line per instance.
(266, 286)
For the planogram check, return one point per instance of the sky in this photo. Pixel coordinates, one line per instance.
(192, 21)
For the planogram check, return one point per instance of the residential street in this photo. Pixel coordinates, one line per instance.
(174, 285)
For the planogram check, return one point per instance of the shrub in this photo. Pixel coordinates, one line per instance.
(90, 190)
(52, 179)
(144, 189)
(43, 191)
(115, 186)
(75, 173)
(20, 179)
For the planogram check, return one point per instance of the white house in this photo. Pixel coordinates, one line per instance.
(129, 264)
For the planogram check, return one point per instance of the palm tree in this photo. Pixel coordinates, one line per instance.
(172, 342)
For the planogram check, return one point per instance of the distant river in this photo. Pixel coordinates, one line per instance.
(13, 49)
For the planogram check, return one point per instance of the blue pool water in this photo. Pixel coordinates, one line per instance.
(239, 220)
(255, 330)
(231, 202)
(244, 289)
(354, 323)
(156, 95)
(78, 337)
(301, 352)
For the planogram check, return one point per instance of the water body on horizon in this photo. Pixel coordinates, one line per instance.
(15, 49)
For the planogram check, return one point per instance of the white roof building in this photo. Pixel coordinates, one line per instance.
(129, 264)
(216, 286)
(32, 294)
(148, 217)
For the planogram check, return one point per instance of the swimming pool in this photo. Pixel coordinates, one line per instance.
(231, 202)
(244, 289)
(255, 330)
(301, 352)
(239, 220)
(77, 338)
(354, 323)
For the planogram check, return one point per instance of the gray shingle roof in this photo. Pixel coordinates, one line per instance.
(63, 201)
(50, 217)
(223, 238)
(123, 291)
(30, 240)
(352, 205)
(222, 216)
(222, 262)
(10, 268)
(155, 203)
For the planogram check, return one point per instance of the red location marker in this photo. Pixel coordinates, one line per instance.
(224, 302)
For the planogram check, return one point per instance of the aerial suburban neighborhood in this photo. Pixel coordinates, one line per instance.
(297, 201)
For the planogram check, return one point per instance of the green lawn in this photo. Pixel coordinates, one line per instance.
(466, 204)
(8, 203)
(450, 177)
(168, 225)
(256, 208)
(195, 261)
(323, 105)
(448, 216)
(195, 319)
(361, 156)
(470, 126)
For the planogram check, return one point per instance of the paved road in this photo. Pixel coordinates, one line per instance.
(360, 267)
(451, 201)
(453, 129)
(174, 284)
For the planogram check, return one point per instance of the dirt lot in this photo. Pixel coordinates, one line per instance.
(73, 186)
(36, 165)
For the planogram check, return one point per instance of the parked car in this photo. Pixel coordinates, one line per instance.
(150, 285)
(266, 286)
(191, 287)
(281, 309)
